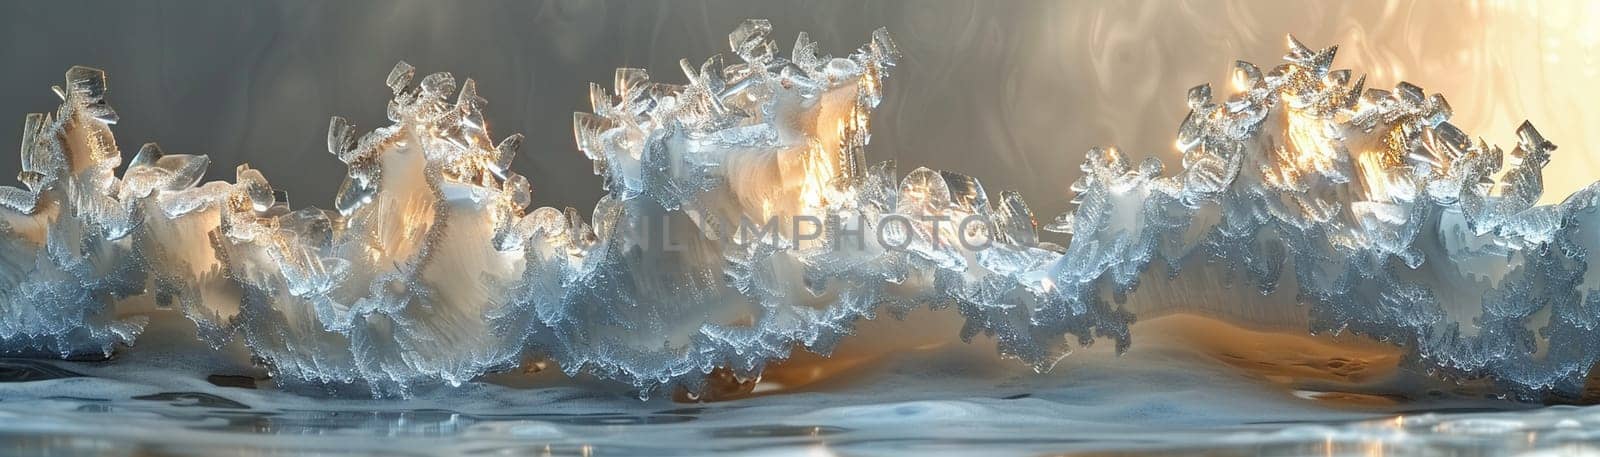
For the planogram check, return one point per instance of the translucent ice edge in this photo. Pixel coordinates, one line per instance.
(1302, 188)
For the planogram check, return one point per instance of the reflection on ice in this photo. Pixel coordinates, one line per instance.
(1166, 398)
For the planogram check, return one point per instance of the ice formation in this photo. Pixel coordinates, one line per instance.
(742, 221)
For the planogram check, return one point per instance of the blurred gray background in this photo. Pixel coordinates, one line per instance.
(1011, 92)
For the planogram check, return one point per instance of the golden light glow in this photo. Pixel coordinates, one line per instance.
(1309, 139)
(1373, 165)
(1240, 80)
(816, 190)
(819, 189)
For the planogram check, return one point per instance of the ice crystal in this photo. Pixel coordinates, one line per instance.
(742, 221)
(64, 239)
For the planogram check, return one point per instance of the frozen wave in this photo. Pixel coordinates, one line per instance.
(742, 221)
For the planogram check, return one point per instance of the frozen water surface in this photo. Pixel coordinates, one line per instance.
(1165, 399)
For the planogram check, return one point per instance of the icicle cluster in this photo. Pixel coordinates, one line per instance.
(742, 221)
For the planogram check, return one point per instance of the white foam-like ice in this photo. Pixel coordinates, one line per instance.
(1302, 187)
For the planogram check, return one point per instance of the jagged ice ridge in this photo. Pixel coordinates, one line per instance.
(1304, 187)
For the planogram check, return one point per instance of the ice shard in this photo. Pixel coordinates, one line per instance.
(742, 221)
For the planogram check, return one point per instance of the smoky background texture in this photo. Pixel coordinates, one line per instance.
(1010, 92)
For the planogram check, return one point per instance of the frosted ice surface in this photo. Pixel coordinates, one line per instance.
(64, 245)
(742, 221)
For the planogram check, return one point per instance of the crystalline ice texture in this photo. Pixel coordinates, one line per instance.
(787, 236)
(64, 245)
(392, 291)
(742, 221)
(725, 164)
(1379, 214)
(395, 288)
